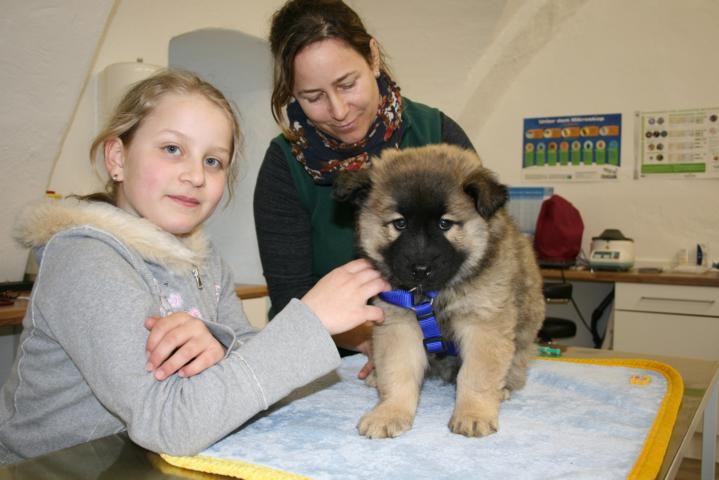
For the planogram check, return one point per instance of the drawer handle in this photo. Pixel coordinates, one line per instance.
(687, 300)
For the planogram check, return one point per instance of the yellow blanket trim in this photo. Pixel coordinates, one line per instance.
(647, 465)
(232, 468)
(160, 464)
(650, 459)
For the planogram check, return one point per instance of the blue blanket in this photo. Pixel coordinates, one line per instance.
(572, 420)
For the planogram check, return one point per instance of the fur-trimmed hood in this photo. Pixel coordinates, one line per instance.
(38, 223)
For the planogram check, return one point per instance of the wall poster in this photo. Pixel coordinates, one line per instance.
(572, 148)
(677, 144)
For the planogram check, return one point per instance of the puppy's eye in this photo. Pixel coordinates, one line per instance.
(399, 224)
(445, 224)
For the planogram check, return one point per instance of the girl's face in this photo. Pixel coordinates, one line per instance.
(173, 172)
(337, 88)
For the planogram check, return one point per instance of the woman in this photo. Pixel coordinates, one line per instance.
(342, 108)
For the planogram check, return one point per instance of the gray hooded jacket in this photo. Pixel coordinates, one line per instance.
(80, 368)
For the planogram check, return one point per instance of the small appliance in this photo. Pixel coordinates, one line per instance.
(611, 251)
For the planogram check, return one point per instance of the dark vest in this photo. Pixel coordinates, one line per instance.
(332, 222)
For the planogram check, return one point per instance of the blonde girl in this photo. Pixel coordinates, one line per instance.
(133, 323)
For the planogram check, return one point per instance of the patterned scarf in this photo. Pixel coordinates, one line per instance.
(323, 156)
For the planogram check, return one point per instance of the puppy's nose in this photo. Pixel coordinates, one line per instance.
(420, 271)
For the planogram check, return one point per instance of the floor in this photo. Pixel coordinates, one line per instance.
(690, 469)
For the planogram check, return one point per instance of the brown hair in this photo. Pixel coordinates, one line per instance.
(140, 100)
(300, 23)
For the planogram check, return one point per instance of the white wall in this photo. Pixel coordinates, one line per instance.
(433, 46)
(43, 69)
(241, 66)
(614, 56)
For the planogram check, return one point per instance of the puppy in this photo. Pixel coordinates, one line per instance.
(432, 220)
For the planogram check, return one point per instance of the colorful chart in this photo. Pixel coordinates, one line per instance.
(678, 143)
(577, 147)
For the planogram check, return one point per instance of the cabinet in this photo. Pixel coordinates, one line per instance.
(674, 320)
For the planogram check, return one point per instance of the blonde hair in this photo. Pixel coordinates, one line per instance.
(140, 100)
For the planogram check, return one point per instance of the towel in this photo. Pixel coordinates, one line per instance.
(575, 419)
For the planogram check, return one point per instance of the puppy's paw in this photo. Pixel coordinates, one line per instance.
(473, 423)
(384, 423)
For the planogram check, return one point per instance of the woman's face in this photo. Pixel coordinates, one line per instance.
(337, 88)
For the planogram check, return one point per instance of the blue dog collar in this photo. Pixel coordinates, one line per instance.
(433, 340)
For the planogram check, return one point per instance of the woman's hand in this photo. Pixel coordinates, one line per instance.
(358, 339)
(340, 298)
(180, 343)
(366, 370)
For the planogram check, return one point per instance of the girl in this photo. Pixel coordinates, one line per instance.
(342, 108)
(114, 264)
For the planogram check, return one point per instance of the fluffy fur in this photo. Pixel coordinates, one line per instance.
(433, 218)
(37, 223)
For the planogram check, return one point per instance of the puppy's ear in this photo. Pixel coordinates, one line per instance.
(352, 187)
(489, 195)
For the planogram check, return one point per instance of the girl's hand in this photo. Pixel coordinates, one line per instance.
(339, 299)
(180, 343)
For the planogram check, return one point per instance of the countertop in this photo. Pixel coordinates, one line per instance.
(13, 314)
(706, 279)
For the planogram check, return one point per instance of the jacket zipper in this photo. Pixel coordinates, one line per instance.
(198, 280)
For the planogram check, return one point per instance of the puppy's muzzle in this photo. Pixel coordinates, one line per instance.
(421, 272)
